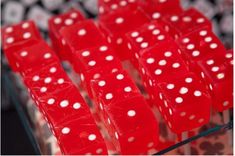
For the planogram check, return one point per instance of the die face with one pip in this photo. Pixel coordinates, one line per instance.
(134, 124)
(58, 22)
(116, 25)
(82, 35)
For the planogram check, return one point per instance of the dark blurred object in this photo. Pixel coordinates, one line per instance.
(13, 136)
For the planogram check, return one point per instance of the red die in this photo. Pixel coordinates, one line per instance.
(144, 37)
(117, 24)
(96, 57)
(23, 33)
(31, 57)
(217, 71)
(18, 36)
(94, 62)
(156, 9)
(82, 35)
(62, 105)
(47, 80)
(58, 22)
(134, 126)
(158, 61)
(108, 6)
(122, 105)
(96, 73)
(67, 113)
(80, 136)
(199, 44)
(186, 22)
(184, 102)
(111, 88)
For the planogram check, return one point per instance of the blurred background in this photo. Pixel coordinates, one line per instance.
(15, 139)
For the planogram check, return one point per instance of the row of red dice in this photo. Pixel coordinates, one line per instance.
(129, 15)
(204, 53)
(154, 52)
(156, 48)
(117, 99)
(209, 59)
(152, 49)
(58, 99)
(116, 21)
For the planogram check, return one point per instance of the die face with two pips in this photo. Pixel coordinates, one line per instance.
(13, 37)
(186, 22)
(117, 24)
(56, 23)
